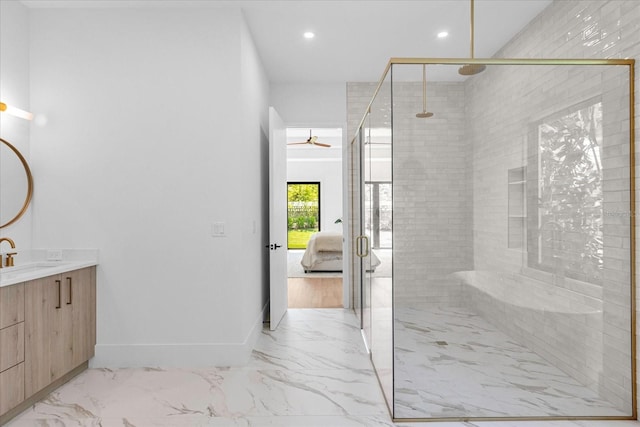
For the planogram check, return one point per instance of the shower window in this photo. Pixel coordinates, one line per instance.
(565, 230)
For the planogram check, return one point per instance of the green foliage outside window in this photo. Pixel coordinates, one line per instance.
(570, 204)
(303, 206)
(303, 193)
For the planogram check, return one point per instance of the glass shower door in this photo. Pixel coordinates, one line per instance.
(379, 276)
(376, 241)
(363, 245)
(355, 219)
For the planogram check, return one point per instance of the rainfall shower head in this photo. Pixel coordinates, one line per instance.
(425, 114)
(471, 69)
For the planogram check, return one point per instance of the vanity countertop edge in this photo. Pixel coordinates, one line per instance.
(35, 265)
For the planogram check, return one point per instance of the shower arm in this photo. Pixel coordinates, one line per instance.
(424, 88)
(472, 29)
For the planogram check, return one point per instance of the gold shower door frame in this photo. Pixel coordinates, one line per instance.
(630, 63)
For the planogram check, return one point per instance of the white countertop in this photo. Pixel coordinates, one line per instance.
(33, 264)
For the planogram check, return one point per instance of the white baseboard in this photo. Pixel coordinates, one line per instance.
(186, 355)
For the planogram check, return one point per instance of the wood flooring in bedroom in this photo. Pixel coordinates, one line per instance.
(315, 292)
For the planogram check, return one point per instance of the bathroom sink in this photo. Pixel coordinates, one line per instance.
(31, 270)
(31, 267)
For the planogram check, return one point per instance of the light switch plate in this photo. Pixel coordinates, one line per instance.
(217, 229)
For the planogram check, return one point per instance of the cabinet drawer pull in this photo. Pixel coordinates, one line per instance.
(70, 300)
(59, 283)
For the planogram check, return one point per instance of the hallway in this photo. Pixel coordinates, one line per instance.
(312, 372)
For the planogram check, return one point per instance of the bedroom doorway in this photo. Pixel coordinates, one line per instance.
(314, 204)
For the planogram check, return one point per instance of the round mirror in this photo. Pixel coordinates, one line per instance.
(16, 184)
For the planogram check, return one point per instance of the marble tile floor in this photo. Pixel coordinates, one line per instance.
(450, 362)
(311, 372)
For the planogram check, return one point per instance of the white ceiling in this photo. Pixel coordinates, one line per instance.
(355, 38)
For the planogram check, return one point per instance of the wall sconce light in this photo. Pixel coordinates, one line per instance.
(15, 111)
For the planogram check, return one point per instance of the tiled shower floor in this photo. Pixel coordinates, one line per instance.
(450, 362)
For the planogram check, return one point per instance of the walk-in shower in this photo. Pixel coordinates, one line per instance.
(510, 289)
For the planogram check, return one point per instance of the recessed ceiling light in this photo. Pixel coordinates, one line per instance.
(309, 35)
(443, 34)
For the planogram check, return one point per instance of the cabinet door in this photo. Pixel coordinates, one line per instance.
(81, 294)
(11, 346)
(48, 335)
(11, 305)
(59, 326)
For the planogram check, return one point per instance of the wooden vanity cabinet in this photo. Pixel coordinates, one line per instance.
(59, 326)
(47, 336)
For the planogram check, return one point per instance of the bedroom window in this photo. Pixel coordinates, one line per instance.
(303, 213)
(565, 218)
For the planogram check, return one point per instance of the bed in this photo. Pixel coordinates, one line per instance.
(324, 253)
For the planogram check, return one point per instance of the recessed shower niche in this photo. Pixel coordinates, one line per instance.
(511, 293)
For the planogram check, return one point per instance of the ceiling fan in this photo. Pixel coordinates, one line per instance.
(313, 140)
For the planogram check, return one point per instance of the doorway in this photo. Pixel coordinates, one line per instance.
(314, 205)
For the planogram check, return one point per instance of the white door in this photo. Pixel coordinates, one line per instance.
(277, 218)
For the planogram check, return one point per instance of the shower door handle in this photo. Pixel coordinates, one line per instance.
(359, 240)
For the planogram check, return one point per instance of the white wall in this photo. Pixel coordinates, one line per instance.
(14, 90)
(156, 128)
(306, 104)
(329, 173)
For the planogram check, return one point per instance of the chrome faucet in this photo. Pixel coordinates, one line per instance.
(9, 262)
